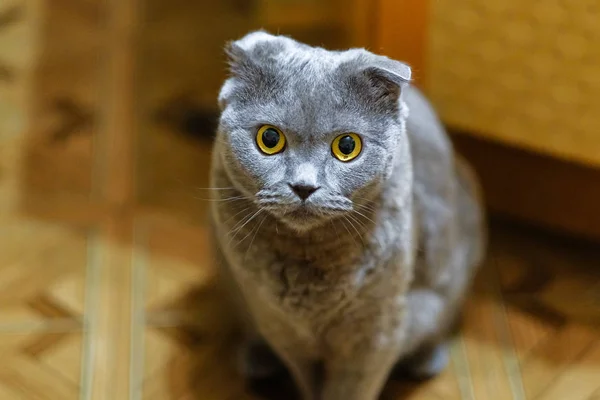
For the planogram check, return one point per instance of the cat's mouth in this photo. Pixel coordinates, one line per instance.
(305, 215)
(302, 217)
(301, 212)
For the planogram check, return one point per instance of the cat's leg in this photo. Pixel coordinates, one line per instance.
(300, 366)
(425, 350)
(426, 319)
(361, 378)
(427, 363)
(296, 350)
(431, 363)
(362, 373)
(273, 350)
(256, 359)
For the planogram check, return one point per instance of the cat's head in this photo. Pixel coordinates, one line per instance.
(308, 133)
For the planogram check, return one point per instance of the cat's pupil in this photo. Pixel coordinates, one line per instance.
(270, 138)
(346, 145)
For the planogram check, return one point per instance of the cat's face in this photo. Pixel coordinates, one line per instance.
(306, 133)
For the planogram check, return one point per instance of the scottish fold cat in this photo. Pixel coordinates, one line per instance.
(347, 227)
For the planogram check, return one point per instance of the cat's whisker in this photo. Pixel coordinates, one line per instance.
(364, 227)
(225, 200)
(190, 190)
(366, 207)
(254, 237)
(251, 230)
(337, 234)
(215, 188)
(351, 235)
(366, 204)
(346, 228)
(242, 220)
(239, 224)
(364, 216)
(236, 214)
(350, 219)
(368, 200)
(361, 224)
(354, 222)
(244, 224)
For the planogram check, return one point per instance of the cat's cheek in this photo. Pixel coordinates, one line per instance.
(338, 179)
(352, 177)
(240, 169)
(389, 166)
(373, 165)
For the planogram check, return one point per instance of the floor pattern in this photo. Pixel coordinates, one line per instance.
(531, 329)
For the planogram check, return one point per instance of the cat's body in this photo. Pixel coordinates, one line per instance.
(374, 269)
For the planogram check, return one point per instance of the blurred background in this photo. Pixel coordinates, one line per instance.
(107, 112)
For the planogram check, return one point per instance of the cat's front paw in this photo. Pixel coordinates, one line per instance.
(432, 364)
(426, 364)
(256, 360)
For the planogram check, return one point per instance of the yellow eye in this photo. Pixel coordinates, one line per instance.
(346, 147)
(270, 140)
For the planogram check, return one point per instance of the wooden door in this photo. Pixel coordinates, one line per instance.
(400, 32)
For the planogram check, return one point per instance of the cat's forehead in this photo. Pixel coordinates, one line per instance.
(310, 76)
(312, 65)
(304, 89)
(291, 53)
(301, 90)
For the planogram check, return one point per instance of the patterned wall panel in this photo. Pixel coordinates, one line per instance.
(525, 73)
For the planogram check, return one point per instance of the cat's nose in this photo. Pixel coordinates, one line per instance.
(303, 191)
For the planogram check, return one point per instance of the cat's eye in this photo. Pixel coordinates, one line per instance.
(270, 140)
(346, 147)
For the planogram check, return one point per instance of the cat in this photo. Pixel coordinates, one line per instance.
(347, 227)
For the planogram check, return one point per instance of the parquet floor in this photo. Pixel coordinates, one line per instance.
(106, 281)
(83, 312)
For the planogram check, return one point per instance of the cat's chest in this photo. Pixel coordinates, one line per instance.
(311, 276)
(308, 280)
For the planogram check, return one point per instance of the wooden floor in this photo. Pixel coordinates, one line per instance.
(89, 313)
(106, 278)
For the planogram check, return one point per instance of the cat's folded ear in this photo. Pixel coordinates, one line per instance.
(253, 49)
(250, 62)
(379, 79)
(395, 72)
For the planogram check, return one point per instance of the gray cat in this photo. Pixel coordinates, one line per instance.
(347, 226)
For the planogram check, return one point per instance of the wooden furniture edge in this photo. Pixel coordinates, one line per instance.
(546, 191)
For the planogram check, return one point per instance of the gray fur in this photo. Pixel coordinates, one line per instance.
(373, 268)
